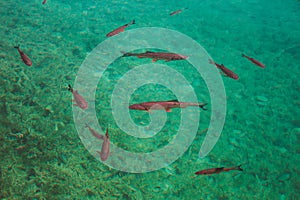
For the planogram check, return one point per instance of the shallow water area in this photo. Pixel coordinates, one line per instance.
(43, 151)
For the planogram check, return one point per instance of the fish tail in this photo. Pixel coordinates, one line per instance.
(211, 61)
(126, 54)
(201, 105)
(239, 168)
(70, 88)
(17, 47)
(243, 55)
(133, 22)
(106, 134)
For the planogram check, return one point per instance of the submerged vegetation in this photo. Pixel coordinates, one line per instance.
(42, 156)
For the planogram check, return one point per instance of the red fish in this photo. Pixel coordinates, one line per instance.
(78, 99)
(225, 70)
(120, 29)
(256, 62)
(177, 11)
(105, 150)
(45, 1)
(24, 57)
(158, 56)
(218, 170)
(95, 133)
(164, 105)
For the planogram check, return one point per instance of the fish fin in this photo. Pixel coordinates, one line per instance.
(201, 105)
(220, 169)
(70, 88)
(239, 168)
(223, 74)
(173, 100)
(168, 110)
(149, 52)
(154, 60)
(211, 61)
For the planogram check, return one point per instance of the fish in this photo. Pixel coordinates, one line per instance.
(157, 56)
(105, 150)
(94, 133)
(120, 29)
(78, 99)
(44, 2)
(225, 70)
(256, 62)
(218, 170)
(164, 105)
(177, 11)
(24, 57)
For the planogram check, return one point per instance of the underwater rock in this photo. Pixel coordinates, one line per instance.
(282, 150)
(284, 177)
(296, 131)
(238, 133)
(163, 187)
(76, 51)
(170, 170)
(296, 134)
(234, 142)
(49, 108)
(282, 197)
(296, 122)
(261, 100)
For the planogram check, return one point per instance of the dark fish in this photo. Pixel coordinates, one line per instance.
(164, 105)
(177, 11)
(157, 56)
(24, 57)
(218, 170)
(256, 62)
(120, 29)
(225, 70)
(78, 99)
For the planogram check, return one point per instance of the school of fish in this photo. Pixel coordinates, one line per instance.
(80, 101)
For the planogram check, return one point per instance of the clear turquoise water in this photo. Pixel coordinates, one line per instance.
(42, 156)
